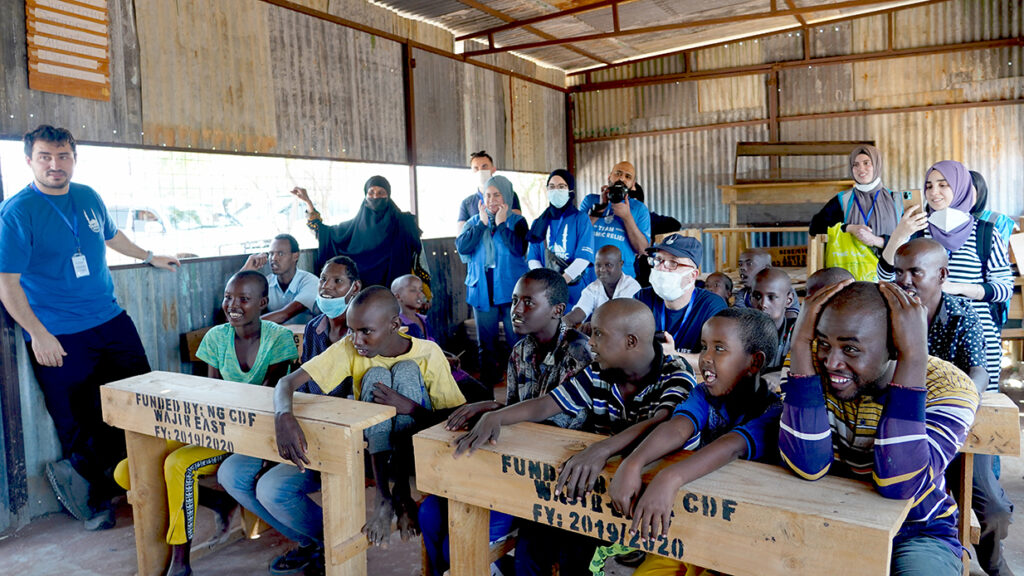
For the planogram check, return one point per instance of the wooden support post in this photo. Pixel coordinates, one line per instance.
(344, 543)
(148, 497)
(964, 503)
(470, 554)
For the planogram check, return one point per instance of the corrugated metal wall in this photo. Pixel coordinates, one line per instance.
(681, 171)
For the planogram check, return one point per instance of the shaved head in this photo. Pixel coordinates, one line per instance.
(826, 277)
(610, 251)
(925, 250)
(627, 316)
(402, 281)
(773, 275)
(376, 298)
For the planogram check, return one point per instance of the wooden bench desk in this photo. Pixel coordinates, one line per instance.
(239, 418)
(996, 431)
(774, 522)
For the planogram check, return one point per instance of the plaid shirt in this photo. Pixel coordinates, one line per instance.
(611, 413)
(529, 376)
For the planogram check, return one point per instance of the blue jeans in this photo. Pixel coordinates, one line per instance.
(280, 497)
(406, 379)
(493, 364)
(924, 556)
(433, 518)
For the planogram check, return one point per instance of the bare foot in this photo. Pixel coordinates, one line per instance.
(378, 526)
(408, 519)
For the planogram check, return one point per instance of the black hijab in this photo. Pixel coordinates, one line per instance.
(539, 229)
(383, 242)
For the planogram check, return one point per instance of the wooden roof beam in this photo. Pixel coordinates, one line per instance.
(753, 17)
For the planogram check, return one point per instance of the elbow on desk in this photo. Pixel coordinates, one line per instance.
(807, 470)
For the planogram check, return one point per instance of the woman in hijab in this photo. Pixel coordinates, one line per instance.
(869, 211)
(949, 194)
(495, 242)
(382, 240)
(562, 237)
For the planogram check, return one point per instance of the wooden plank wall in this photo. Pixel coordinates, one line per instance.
(448, 309)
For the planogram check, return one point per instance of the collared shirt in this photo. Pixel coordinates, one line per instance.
(594, 295)
(956, 334)
(530, 376)
(663, 388)
(301, 289)
(684, 325)
(755, 419)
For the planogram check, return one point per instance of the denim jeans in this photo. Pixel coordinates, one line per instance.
(406, 379)
(280, 497)
(492, 363)
(924, 556)
(434, 527)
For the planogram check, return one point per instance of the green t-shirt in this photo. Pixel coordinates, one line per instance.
(218, 350)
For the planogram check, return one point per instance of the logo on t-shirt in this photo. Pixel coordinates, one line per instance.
(94, 222)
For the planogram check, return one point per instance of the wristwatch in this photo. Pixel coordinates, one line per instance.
(149, 257)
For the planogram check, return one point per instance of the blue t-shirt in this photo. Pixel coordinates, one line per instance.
(756, 420)
(609, 229)
(37, 242)
(684, 325)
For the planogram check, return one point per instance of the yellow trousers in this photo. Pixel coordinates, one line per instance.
(661, 566)
(182, 466)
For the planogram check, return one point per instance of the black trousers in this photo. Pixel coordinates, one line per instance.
(108, 352)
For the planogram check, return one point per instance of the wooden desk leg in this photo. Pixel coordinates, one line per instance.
(344, 497)
(149, 501)
(963, 502)
(468, 527)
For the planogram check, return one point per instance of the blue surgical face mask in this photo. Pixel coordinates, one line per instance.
(332, 307)
(558, 198)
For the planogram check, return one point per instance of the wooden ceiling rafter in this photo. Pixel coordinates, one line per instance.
(751, 17)
(503, 16)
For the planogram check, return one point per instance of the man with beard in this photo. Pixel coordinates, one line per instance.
(623, 222)
(292, 292)
(866, 400)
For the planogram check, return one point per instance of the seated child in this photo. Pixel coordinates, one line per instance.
(720, 284)
(408, 290)
(826, 277)
(752, 261)
(549, 359)
(611, 283)
(295, 516)
(866, 400)
(731, 415)
(771, 293)
(385, 366)
(248, 350)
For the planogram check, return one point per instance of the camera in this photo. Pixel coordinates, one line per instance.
(617, 192)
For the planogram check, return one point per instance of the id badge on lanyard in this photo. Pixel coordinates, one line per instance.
(78, 260)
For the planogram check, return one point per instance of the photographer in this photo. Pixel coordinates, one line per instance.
(619, 220)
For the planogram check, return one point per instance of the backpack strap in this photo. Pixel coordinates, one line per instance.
(984, 238)
(897, 201)
(845, 204)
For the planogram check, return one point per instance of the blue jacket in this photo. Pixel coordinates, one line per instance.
(509, 259)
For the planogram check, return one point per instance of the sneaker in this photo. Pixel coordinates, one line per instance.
(631, 559)
(296, 560)
(102, 520)
(71, 488)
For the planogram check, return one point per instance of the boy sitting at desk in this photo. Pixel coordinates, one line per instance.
(548, 360)
(870, 400)
(732, 414)
(385, 366)
(408, 290)
(772, 293)
(246, 349)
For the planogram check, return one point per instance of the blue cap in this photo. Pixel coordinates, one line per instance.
(680, 246)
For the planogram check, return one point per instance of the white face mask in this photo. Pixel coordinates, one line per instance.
(948, 219)
(482, 177)
(668, 285)
(558, 198)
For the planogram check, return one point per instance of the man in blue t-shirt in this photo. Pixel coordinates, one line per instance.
(621, 222)
(55, 283)
(680, 308)
(483, 168)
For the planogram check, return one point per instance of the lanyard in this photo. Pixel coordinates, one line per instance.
(74, 217)
(686, 315)
(867, 217)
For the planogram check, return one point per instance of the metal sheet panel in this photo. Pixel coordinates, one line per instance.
(959, 21)
(439, 89)
(338, 92)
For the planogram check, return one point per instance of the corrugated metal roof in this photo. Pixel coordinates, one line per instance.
(462, 18)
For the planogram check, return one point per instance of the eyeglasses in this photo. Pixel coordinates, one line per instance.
(670, 265)
(558, 187)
